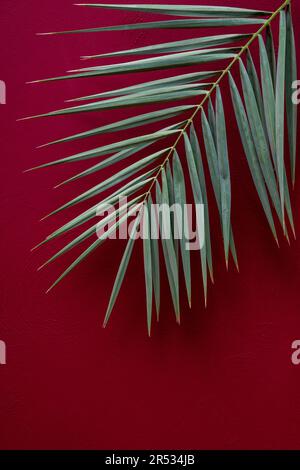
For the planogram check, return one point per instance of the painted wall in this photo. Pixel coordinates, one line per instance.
(224, 379)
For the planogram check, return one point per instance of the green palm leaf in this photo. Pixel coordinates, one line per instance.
(136, 121)
(279, 105)
(180, 199)
(154, 84)
(261, 143)
(270, 47)
(224, 173)
(148, 263)
(200, 171)
(186, 10)
(260, 100)
(250, 152)
(290, 78)
(270, 117)
(168, 244)
(177, 46)
(122, 269)
(155, 255)
(199, 200)
(173, 24)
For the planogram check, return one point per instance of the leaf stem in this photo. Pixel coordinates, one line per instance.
(214, 86)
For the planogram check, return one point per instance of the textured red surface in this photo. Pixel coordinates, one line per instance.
(224, 379)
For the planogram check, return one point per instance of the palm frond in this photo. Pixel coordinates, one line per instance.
(172, 24)
(177, 46)
(184, 10)
(261, 96)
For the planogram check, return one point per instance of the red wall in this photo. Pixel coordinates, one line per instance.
(224, 379)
